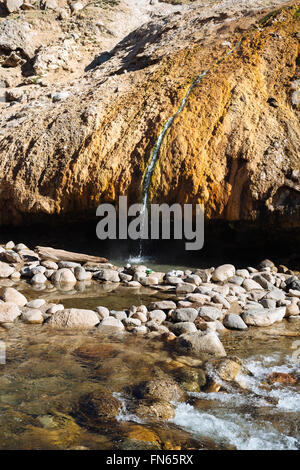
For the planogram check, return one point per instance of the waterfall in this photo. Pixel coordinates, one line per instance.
(156, 150)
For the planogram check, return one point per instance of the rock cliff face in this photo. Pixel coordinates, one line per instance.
(235, 147)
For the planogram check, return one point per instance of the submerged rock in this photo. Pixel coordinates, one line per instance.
(98, 406)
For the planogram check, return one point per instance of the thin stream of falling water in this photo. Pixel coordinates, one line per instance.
(155, 153)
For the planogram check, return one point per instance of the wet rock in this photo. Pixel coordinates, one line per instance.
(234, 322)
(74, 318)
(227, 369)
(98, 406)
(5, 270)
(263, 317)
(201, 342)
(12, 295)
(96, 351)
(163, 388)
(9, 312)
(159, 409)
(280, 377)
(184, 315)
(224, 272)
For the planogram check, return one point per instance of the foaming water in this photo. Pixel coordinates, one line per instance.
(249, 418)
(233, 429)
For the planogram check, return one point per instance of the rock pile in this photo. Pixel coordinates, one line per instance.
(205, 302)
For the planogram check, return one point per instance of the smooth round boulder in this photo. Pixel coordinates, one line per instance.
(64, 276)
(12, 295)
(224, 272)
(38, 278)
(5, 270)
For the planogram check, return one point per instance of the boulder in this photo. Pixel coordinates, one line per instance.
(36, 303)
(63, 275)
(234, 322)
(224, 272)
(32, 316)
(263, 317)
(210, 313)
(98, 406)
(112, 322)
(183, 327)
(103, 312)
(12, 295)
(159, 389)
(185, 288)
(5, 270)
(74, 318)
(108, 275)
(158, 316)
(144, 409)
(13, 5)
(162, 305)
(9, 312)
(184, 314)
(201, 342)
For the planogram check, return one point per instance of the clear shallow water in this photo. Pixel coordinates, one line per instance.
(44, 378)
